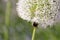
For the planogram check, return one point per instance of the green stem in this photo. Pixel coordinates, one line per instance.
(7, 20)
(7, 15)
(33, 34)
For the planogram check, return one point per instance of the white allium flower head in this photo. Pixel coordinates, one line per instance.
(41, 11)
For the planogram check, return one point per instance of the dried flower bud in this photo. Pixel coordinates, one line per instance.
(35, 24)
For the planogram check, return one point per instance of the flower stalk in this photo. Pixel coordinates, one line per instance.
(7, 20)
(33, 34)
(7, 14)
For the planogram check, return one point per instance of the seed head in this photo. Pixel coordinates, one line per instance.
(42, 12)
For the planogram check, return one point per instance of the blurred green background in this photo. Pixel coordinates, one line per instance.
(14, 28)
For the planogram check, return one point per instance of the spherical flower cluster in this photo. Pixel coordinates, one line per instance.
(42, 12)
